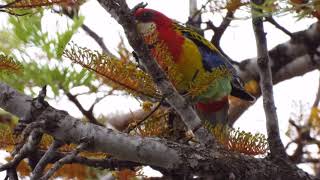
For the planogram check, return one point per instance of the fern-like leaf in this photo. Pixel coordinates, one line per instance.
(8, 64)
(27, 4)
(121, 75)
(239, 141)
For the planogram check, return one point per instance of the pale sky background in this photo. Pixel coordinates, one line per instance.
(238, 42)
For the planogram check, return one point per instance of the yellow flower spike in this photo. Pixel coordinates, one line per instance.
(239, 141)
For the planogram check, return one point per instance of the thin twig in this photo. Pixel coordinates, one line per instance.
(65, 160)
(46, 158)
(271, 20)
(106, 163)
(146, 117)
(90, 32)
(317, 99)
(27, 148)
(199, 10)
(274, 141)
(87, 113)
(219, 31)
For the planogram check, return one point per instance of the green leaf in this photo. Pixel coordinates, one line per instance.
(65, 37)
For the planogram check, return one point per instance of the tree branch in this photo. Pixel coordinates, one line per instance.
(317, 99)
(87, 113)
(67, 159)
(274, 141)
(173, 157)
(218, 31)
(271, 20)
(45, 159)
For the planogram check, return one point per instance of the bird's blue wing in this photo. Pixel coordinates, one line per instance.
(211, 57)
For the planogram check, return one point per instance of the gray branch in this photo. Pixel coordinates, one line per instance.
(274, 141)
(45, 159)
(68, 158)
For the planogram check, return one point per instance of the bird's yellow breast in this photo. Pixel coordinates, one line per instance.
(189, 64)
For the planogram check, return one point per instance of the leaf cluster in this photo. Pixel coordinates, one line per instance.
(8, 64)
(239, 141)
(118, 73)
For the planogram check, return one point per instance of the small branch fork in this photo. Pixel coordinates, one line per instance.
(275, 144)
(272, 21)
(67, 159)
(87, 113)
(304, 136)
(45, 159)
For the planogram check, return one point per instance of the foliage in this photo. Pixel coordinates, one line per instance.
(119, 74)
(301, 8)
(26, 32)
(304, 134)
(57, 77)
(28, 4)
(314, 119)
(8, 64)
(239, 141)
(156, 125)
(29, 30)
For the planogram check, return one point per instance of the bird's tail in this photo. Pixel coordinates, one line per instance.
(215, 112)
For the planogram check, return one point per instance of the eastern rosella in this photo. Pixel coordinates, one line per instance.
(193, 55)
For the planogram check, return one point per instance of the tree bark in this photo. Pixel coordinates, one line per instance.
(168, 156)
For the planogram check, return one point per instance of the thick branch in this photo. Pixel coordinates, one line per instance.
(173, 157)
(274, 141)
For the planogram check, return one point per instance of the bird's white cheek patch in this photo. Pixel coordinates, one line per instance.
(148, 31)
(146, 28)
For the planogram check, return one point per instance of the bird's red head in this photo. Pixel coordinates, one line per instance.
(149, 15)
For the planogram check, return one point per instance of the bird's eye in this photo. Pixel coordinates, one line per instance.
(147, 15)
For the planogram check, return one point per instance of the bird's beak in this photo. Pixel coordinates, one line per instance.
(136, 20)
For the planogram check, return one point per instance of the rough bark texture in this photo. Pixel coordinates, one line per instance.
(170, 157)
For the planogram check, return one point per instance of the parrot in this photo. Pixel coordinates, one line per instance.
(193, 56)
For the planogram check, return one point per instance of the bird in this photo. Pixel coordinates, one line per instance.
(193, 56)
